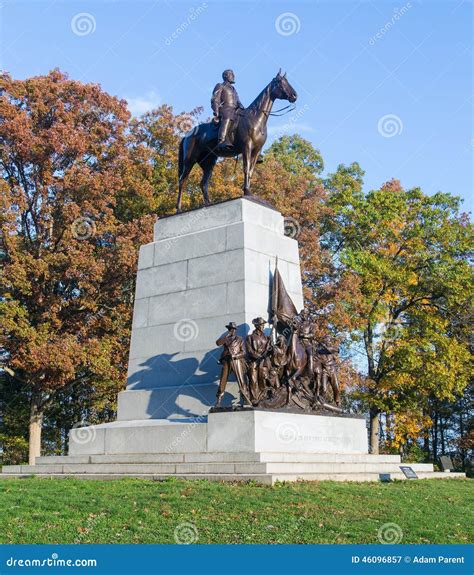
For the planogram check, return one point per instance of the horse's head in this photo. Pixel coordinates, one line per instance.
(282, 89)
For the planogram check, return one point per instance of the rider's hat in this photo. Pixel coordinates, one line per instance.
(231, 325)
(259, 321)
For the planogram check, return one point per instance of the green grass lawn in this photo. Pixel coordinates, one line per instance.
(139, 511)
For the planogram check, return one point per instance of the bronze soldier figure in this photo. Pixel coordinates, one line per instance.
(279, 360)
(305, 332)
(232, 360)
(327, 356)
(258, 348)
(225, 103)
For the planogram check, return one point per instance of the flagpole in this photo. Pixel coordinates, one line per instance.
(275, 307)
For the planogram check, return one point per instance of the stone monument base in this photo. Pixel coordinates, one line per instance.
(227, 445)
(245, 430)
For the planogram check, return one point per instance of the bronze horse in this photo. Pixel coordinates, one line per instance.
(250, 134)
(297, 366)
(297, 360)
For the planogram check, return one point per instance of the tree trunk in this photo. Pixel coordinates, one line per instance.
(374, 430)
(401, 452)
(372, 373)
(426, 445)
(441, 430)
(461, 435)
(426, 440)
(36, 422)
(389, 428)
(64, 441)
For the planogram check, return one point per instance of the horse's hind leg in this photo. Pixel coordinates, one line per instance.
(183, 178)
(207, 166)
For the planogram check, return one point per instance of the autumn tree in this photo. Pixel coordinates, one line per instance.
(408, 253)
(75, 204)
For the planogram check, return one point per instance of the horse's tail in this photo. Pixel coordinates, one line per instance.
(181, 158)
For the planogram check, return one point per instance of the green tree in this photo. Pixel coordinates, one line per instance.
(410, 253)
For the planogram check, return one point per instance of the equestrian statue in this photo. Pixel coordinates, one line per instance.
(234, 131)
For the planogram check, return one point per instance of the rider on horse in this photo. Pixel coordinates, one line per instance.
(206, 143)
(225, 103)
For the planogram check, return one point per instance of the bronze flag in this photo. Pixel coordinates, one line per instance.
(283, 309)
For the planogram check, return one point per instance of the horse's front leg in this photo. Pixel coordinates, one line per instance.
(253, 161)
(247, 162)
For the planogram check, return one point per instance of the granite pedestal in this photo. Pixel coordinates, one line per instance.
(204, 268)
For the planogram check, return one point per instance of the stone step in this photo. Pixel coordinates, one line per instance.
(259, 478)
(328, 457)
(361, 476)
(265, 479)
(215, 467)
(330, 467)
(62, 459)
(223, 457)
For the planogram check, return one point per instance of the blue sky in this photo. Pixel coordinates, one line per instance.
(387, 84)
